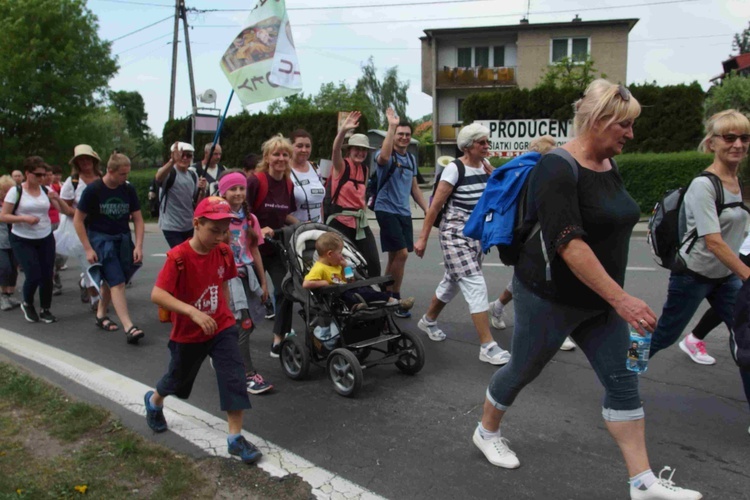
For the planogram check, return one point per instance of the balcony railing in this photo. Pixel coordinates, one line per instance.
(476, 77)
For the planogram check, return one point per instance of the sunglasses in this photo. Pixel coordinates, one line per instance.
(623, 92)
(187, 155)
(484, 142)
(732, 138)
(39, 174)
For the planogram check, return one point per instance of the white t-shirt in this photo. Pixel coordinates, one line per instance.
(465, 196)
(67, 193)
(308, 194)
(38, 206)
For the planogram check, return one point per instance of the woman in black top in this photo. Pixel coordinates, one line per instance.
(569, 279)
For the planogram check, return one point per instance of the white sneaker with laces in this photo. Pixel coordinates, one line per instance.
(431, 329)
(497, 315)
(496, 450)
(494, 354)
(697, 352)
(664, 489)
(568, 344)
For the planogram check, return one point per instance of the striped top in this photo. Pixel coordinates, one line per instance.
(467, 194)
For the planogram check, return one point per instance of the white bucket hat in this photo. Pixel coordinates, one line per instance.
(358, 140)
(84, 150)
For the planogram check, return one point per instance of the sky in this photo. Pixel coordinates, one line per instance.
(675, 41)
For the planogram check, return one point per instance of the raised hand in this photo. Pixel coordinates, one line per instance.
(352, 121)
(392, 117)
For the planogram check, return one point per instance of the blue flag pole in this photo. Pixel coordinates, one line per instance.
(218, 134)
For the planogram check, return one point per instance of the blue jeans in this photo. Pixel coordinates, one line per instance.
(37, 259)
(542, 326)
(683, 298)
(174, 238)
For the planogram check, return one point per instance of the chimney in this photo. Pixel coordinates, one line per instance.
(524, 21)
(576, 19)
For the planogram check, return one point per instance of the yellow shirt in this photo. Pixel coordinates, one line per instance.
(332, 274)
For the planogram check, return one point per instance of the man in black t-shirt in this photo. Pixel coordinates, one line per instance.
(102, 223)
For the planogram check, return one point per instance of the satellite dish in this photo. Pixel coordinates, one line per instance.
(208, 97)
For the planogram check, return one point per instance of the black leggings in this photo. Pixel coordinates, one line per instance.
(366, 246)
(276, 268)
(37, 259)
(711, 319)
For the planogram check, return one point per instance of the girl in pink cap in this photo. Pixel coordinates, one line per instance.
(248, 291)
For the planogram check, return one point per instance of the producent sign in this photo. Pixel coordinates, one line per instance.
(512, 137)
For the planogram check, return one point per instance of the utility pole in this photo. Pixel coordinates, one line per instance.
(183, 14)
(174, 57)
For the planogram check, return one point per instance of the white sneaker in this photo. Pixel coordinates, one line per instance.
(494, 354)
(568, 344)
(431, 329)
(496, 450)
(497, 315)
(697, 352)
(664, 489)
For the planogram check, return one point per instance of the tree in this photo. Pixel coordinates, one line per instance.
(131, 106)
(54, 69)
(741, 42)
(390, 92)
(568, 73)
(733, 93)
(295, 103)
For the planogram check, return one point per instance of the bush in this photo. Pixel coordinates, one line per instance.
(141, 180)
(245, 133)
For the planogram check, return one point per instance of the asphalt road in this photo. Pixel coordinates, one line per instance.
(410, 437)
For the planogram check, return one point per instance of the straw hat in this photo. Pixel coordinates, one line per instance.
(444, 161)
(358, 140)
(84, 150)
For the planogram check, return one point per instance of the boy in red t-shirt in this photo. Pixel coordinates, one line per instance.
(192, 285)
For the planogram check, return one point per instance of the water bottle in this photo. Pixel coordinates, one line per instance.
(348, 274)
(640, 345)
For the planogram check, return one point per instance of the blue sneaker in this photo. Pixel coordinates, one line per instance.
(404, 306)
(244, 449)
(154, 416)
(402, 313)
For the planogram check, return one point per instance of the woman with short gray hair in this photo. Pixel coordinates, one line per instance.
(459, 188)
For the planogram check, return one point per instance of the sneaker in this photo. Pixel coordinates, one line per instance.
(400, 312)
(154, 416)
(270, 314)
(568, 344)
(64, 267)
(256, 384)
(431, 329)
(496, 450)
(404, 306)
(275, 350)
(47, 317)
(29, 313)
(497, 315)
(14, 301)
(5, 304)
(663, 489)
(494, 354)
(244, 449)
(697, 352)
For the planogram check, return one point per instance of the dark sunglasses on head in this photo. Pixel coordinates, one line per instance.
(623, 92)
(732, 138)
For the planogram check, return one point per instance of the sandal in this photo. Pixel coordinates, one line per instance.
(107, 324)
(134, 334)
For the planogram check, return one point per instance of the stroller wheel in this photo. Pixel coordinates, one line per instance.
(410, 349)
(294, 358)
(345, 372)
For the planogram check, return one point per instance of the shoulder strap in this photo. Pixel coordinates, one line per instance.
(19, 192)
(562, 153)
(168, 183)
(228, 256)
(314, 166)
(176, 255)
(718, 189)
(260, 196)
(345, 176)
(394, 164)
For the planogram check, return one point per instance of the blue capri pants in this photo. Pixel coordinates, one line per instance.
(541, 327)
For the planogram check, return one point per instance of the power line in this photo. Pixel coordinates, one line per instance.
(146, 4)
(141, 29)
(144, 43)
(338, 7)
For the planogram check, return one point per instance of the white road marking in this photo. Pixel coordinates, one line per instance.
(201, 428)
(158, 255)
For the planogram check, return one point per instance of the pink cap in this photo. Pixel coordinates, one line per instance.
(228, 181)
(214, 208)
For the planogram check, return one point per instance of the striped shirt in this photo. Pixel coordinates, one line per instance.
(467, 194)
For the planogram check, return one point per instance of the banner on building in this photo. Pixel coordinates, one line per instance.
(261, 63)
(512, 137)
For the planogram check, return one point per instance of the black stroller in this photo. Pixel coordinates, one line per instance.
(342, 340)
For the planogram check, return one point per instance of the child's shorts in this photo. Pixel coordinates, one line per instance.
(8, 268)
(187, 359)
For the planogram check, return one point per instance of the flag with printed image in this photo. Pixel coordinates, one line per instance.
(261, 62)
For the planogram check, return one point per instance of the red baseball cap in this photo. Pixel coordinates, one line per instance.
(214, 208)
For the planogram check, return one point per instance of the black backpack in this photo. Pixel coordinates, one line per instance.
(153, 198)
(461, 174)
(169, 182)
(330, 207)
(665, 237)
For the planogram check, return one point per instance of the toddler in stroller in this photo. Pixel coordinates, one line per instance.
(330, 269)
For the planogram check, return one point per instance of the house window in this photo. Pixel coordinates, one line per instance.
(499, 57)
(576, 49)
(464, 57)
(482, 56)
(460, 113)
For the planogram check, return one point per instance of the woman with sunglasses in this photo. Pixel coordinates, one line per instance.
(462, 257)
(27, 208)
(709, 266)
(569, 282)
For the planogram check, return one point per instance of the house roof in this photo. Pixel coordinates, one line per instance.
(514, 28)
(738, 63)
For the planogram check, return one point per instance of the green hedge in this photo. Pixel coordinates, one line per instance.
(671, 117)
(141, 180)
(245, 133)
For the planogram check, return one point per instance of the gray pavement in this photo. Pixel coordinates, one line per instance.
(410, 437)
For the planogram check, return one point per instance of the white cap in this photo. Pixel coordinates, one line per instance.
(183, 146)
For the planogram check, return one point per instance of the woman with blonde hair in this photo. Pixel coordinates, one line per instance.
(102, 222)
(270, 193)
(709, 266)
(565, 285)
